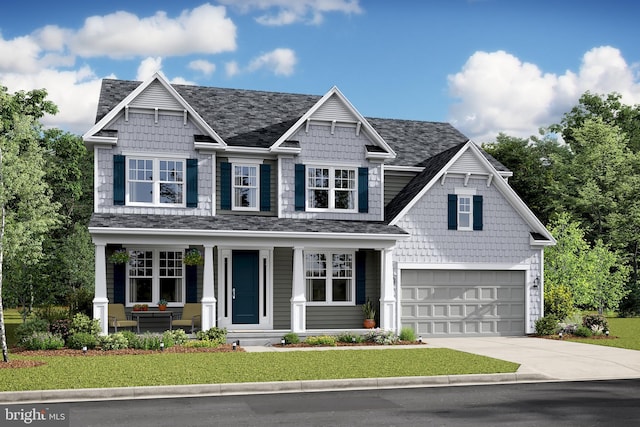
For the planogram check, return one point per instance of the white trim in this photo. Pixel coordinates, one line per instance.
(462, 266)
(154, 155)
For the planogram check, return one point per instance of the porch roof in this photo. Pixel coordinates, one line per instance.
(240, 223)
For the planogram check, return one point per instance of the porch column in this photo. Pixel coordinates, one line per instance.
(388, 303)
(208, 301)
(298, 299)
(100, 301)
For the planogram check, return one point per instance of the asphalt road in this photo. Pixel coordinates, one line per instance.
(594, 403)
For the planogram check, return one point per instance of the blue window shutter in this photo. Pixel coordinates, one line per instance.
(192, 183)
(225, 186)
(265, 187)
(477, 212)
(192, 283)
(361, 272)
(363, 190)
(119, 283)
(452, 210)
(300, 180)
(118, 179)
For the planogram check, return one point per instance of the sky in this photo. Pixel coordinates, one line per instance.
(485, 66)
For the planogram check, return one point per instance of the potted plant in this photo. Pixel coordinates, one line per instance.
(193, 257)
(120, 256)
(369, 313)
(162, 304)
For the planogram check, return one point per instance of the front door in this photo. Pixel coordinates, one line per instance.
(245, 293)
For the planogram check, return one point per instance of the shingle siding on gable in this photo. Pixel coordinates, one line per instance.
(142, 135)
(320, 147)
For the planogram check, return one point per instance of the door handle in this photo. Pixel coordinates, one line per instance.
(233, 293)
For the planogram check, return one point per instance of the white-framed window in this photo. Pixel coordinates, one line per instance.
(152, 181)
(246, 185)
(155, 274)
(465, 212)
(330, 278)
(331, 188)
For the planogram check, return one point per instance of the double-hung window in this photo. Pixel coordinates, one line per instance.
(159, 182)
(245, 187)
(465, 210)
(154, 275)
(331, 188)
(330, 277)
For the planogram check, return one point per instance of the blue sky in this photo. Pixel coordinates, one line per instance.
(486, 66)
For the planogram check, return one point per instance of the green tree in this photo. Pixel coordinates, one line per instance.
(607, 276)
(26, 210)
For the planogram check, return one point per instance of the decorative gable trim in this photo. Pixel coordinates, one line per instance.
(335, 108)
(132, 100)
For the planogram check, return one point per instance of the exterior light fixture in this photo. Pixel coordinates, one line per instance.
(84, 349)
(420, 339)
(536, 282)
(282, 342)
(233, 346)
(560, 335)
(161, 346)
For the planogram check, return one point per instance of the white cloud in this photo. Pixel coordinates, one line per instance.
(496, 92)
(231, 68)
(205, 29)
(205, 67)
(19, 55)
(292, 11)
(280, 61)
(148, 67)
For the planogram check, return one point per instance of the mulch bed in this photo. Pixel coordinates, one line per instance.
(347, 344)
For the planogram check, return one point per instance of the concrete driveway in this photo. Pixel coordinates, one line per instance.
(560, 360)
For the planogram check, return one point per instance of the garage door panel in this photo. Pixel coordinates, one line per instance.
(458, 303)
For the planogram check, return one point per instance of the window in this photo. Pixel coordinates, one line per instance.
(465, 210)
(155, 181)
(155, 275)
(329, 277)
(331, 188)
(245, 187)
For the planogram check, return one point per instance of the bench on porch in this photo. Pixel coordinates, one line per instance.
(190, 318)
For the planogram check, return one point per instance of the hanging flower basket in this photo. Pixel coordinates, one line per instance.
(193, 257)
(121, 256)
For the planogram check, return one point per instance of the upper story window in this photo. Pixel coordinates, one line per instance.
(155, 181)
(465, 210)
(331, 188)
(245, 187)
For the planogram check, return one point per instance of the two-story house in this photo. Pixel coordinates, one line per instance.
(303, 210)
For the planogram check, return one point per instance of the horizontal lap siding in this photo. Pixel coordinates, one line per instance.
(394, 182)
(282, 279)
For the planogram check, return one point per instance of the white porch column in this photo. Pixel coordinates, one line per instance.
(100, 301)
(208, 291)
(298, 299)
(388, 303)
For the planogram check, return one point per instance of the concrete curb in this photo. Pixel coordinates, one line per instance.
(201, 390)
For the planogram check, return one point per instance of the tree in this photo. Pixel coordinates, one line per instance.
(26, 209)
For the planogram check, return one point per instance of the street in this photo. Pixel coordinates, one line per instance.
(594, 403)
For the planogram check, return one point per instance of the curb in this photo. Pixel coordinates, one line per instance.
(231, 389)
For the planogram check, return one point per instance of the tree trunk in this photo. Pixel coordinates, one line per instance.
(3, 331)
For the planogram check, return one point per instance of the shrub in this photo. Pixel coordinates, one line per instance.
(291, 338)
(175, 337)
(149, 341)
(380, 336)
(42, 341)
(201, 344)
(29, 327)
(596, 323)
(81, 323)
(51, 313)
(407, 334)
(558, 301)
(60, 327)
(82, 339)
(216, 335)
(115, 341)
(348, 337)
(133, 341)
(583, 331)
(547, 325)
(321, 340)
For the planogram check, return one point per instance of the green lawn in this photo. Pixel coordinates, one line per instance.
(213, 368)
(627, 331)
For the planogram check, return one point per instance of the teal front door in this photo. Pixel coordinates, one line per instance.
(245, 293)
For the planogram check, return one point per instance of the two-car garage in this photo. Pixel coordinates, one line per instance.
(463, 302)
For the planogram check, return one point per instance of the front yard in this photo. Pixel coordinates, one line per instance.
(626, 331)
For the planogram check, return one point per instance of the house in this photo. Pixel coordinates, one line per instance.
(303, 210)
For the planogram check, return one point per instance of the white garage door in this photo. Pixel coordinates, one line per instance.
(463, 302)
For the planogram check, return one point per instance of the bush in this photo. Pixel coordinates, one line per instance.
(407, 334)
(42, 341)
(291, 338)
(149, 341)
(321, 340)
(133, 341)
(216, 335)
(348, 337)
(82, 339)
(583, 331)
(60, 327)
(115, 341)
(175, 337)
(201, 344)
(81, 323)
(558, 301)
(547, 325)
(51, 313)
(29, 327)
(596, 323)
(380, 336)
